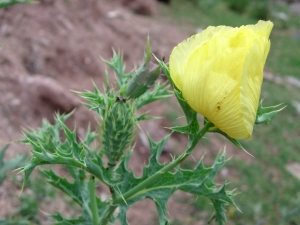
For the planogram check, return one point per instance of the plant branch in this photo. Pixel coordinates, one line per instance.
(134, 191)
(93, 200)
(164, 170)
(109, 212)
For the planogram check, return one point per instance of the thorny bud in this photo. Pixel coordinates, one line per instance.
(144, 76)
(117, 129)
(143, 80)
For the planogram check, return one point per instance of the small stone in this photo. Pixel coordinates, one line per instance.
(297, 106)
(293, 81)
(113, 14)
(52, 92)
(294, 169)
(15, 102)
(224, 172)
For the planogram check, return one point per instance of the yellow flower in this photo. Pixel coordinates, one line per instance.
(220, 73)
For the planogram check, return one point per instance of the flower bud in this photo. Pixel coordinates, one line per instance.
(143, 80)
(220, 73)
(117, 129)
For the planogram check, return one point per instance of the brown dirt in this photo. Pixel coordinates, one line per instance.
(52, 47)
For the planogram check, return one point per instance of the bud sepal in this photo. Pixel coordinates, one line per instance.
(265, 114)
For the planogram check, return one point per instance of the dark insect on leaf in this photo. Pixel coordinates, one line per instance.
(121, 99)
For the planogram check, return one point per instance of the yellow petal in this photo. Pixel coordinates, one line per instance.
(252, 80)
(220, 72)
(180, 54)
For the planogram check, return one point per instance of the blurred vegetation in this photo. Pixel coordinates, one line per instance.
(6, 3)
(8, 165)
(268, 193)
(5, 168)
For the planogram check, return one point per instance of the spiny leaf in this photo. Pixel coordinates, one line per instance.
(219, 196)
(96, 100)
(160, 190)
(190, 129)
(77, 149)
(144, 116)
(160, 91)
(48, 149)
(265, 114)
(72, 189)
(118, 66)
(219, 215)
(181, 129)
(60, 220)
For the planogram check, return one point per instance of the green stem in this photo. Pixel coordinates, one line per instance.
(109, 212)
(136, 190)
(129, 194)
(164, 170)
(93, 199)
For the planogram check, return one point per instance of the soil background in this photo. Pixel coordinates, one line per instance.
(53, 47)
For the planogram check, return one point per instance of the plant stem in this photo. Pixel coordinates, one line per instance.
(93, 199)
(136, 190)
(129, 194)
(108, 214)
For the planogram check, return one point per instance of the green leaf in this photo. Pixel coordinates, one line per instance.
(96, 100)
(181, 129)
(49, 149)
(75, 156)
(191, 129)
(265, 114)
(160, 91)
(144, 116)
(118, 66)
(219, 196)
(6, 3)
(60, 220)
(15, 222)
(208, 188)
(78, 190)
(74, 190)
(160, 190)
(220, 214)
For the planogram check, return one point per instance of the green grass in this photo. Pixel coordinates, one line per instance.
(268, 193)
(184, 14)
(34, 192)
(284, 56)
